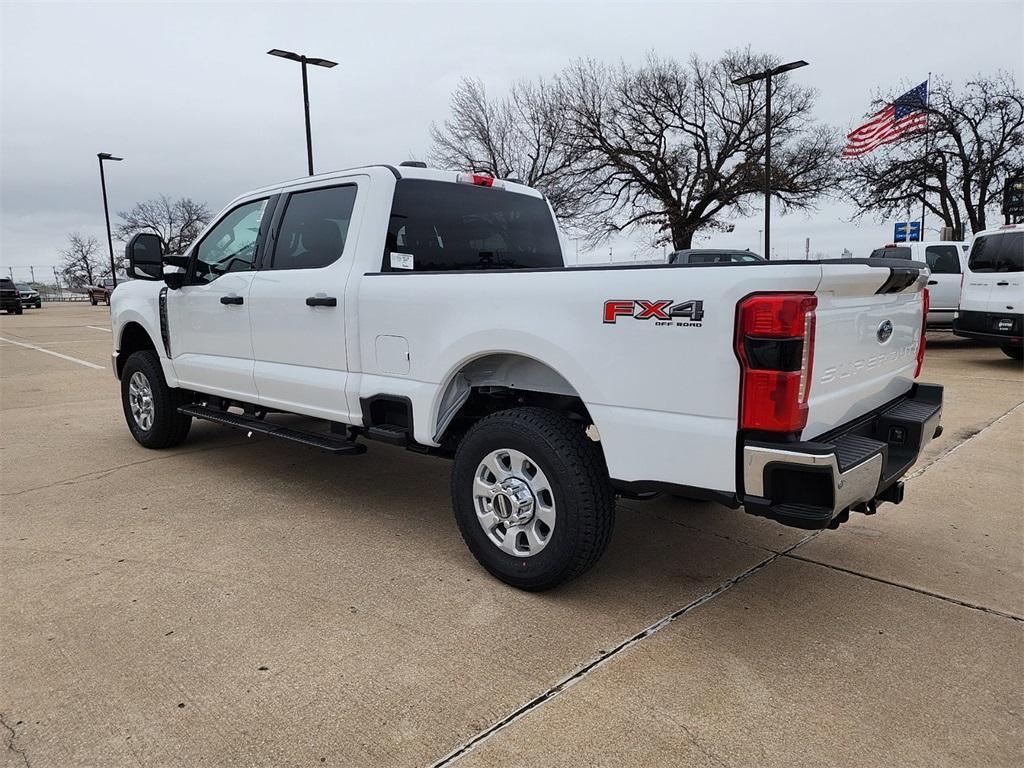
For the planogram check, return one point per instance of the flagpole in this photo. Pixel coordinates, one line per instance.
(927, 134)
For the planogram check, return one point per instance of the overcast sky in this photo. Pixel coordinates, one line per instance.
(187, 95)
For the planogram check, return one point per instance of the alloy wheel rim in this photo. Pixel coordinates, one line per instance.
(140, 400)
(514, 503)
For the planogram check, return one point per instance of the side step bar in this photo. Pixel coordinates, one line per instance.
(389, 433)
(248, 423)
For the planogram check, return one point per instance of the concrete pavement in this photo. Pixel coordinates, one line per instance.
(248, 602)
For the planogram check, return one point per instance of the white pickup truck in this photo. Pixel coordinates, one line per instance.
(433, 310)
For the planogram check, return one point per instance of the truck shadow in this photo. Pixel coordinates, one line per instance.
(393, 494)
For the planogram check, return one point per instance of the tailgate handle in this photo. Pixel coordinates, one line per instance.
(321, 301)
(933, 282)
(1002, 282)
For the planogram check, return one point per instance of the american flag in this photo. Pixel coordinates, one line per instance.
(903, 115)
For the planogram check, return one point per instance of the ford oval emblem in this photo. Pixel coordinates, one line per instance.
(884, 331)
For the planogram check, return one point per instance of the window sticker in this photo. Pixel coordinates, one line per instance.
(402, 261)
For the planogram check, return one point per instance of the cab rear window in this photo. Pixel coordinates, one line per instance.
(440, 226)
(891, 253)
(998, 253)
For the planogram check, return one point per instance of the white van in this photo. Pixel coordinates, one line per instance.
(992, 303)
(946, 259)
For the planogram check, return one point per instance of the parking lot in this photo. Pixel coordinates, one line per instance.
(241, 601)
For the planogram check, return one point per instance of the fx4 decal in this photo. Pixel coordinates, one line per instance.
(662, 311)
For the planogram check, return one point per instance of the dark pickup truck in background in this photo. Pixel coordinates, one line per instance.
(101, 292)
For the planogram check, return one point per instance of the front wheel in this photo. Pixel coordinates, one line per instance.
(92, 300)
(150, 406)
(18, 309)
(532, 497)
(1016, 351)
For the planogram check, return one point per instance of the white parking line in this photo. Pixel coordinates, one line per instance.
(86, 363)
(97, 328)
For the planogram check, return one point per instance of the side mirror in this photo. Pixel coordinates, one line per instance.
(174, 271)
(144, 254)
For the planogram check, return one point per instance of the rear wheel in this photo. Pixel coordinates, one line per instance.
(150, 406)
(1014, 351)
(532, 497)
(92, 300)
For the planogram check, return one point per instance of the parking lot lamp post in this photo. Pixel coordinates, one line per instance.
(767, 76)
(304, 60)
(106, 212)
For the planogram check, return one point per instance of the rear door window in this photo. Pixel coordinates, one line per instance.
(440, 226)
(998, 253)
(943, 259)
(314, 228)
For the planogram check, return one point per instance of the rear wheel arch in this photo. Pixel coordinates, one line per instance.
(501, 381)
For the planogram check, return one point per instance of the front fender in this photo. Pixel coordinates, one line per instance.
(138, 302)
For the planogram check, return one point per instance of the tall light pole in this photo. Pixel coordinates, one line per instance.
(106, 212)
(304, 60)
(767, 76)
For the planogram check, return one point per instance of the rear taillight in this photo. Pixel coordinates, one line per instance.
(775, 347)
(926, 301)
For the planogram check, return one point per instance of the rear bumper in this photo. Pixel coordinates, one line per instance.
(941, 318)
(997, 327)
(815, 484)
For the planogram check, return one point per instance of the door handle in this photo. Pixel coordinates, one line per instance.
(321, 301)
(231, 299)
(1002, 282)
(933, 282)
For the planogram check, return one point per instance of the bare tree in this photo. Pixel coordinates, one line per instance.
(676, 147)
(178, 222)
(81, 262)
(956, 168)
(522, 136)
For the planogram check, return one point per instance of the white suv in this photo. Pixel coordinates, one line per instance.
(992, 301)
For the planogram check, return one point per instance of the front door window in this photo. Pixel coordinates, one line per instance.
(231, 245)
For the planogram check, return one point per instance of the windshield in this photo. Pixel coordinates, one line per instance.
(23, 287)
(998, 253)
(440, 226)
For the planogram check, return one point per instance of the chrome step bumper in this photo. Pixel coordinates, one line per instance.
(815, 484)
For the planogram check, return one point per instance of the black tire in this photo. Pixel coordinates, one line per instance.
(92, 300)
(1014, 351)
(169, 427)
(583, 497)
(18, 309)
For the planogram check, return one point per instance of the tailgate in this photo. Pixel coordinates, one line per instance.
(868, 328)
